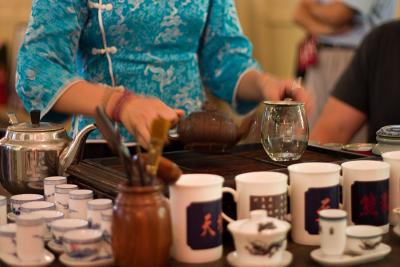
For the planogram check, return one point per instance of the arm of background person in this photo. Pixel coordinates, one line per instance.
(335, 14)
(337, 123)
(324, 19)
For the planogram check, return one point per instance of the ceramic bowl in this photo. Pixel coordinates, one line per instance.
(29, 207)
(82, 244)
(17, 200)
(363, 239)
(260, 240)
(61, 226)
(7, 238)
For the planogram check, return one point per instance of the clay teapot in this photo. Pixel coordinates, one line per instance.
(212, 130)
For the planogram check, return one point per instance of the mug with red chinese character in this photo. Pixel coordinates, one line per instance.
(313, 187)
(366, 192)
(195, 201)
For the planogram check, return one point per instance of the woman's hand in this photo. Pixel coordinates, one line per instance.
(274, 89)
(138, 113)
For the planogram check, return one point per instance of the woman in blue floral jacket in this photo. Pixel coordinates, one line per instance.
(77, 52)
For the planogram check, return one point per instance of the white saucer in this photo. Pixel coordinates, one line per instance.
(68, 261)
(234, 260)
(11, 216)
(346, 260)
(12, 260)
(56, 248)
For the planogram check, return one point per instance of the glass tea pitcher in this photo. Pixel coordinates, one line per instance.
(284, 130)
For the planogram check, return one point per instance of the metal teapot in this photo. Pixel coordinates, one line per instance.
(29, 152)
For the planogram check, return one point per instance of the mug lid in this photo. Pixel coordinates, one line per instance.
(259, 224)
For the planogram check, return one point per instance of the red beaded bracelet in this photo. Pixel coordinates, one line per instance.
(116, 111)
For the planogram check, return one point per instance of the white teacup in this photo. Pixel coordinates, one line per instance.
(95, 208)
(7, 238)
(332, 227)
(29, 207)
(82, 244)
(61, 226)
(362, 239)
(50, 186)
(48, 216)
(77, 203)
(260, 240)
(17, 200)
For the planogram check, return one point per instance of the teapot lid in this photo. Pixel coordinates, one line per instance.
(259, 223)
(35, 125)
(391, 131)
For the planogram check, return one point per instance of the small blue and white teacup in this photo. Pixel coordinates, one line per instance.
(48, 216)
(7, 238)
(363, 239)
(83, 244)
(61, 226)
(17, 200)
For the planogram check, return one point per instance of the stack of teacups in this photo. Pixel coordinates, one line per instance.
(29, 237)
(50, 186)
(32, 206)
(95, 208)
(17, 200)
(61, 197)
(78, 202)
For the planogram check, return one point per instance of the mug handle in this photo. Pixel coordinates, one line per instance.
(235, 196)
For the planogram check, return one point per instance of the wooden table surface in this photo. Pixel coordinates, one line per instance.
(103, 174)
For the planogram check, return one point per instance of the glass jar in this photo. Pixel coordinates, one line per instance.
(284, 130)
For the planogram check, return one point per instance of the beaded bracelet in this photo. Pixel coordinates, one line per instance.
(116, 111)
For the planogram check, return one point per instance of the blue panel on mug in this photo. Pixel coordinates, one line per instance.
(204, 224)
(317, 199)
(370, 202)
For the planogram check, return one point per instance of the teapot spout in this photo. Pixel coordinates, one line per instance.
(69, 154)
(244, 129)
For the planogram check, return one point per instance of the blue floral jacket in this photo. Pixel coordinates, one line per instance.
(168, 49)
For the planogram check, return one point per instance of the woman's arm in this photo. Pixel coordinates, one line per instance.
(136, 114)
(258, 86)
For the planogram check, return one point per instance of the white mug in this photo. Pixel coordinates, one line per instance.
(393, 158)
(195, 201)
(260, 190)
(314, 186)
(366, 192)
(332, 227)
